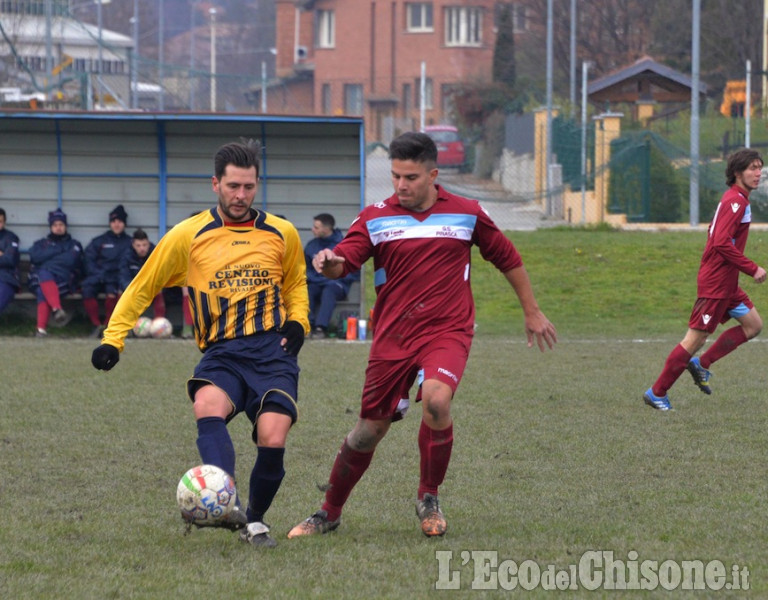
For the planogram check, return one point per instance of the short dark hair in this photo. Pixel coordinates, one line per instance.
(2, 213)
(243, 154)
(415, 146)
(738, 162)
(140, 234)
(326, 219)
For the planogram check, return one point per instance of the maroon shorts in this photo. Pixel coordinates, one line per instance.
(708, 313)
(389, 381)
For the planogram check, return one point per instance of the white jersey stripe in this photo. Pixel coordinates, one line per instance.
(455, 226)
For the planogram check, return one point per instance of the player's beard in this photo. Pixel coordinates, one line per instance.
(232, 217)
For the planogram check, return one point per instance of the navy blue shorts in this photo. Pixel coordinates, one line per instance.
(255, 373)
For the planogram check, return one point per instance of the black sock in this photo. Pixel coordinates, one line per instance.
(266, 477)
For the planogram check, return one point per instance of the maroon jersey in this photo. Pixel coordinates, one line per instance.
(421, 264)
(723, 256)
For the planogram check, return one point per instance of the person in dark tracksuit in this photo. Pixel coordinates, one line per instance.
(9, 263)
(55, 269)
(102, 269)
(132, 261)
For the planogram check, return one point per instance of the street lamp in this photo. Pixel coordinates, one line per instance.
(212, 12)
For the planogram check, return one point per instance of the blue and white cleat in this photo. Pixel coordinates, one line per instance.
(700, 375)
(654, 401)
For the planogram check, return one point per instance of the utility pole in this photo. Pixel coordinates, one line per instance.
(134, 57)
(161, 53)
(584, 73)
(573, 58)
(550, 43)
(694, 177)
(212, 12)
(101, 57)
(192, 79)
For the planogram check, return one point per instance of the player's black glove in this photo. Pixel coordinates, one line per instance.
(293, 332)
(105, 357)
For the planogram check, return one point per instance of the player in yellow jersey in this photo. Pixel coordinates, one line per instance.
(246, 275)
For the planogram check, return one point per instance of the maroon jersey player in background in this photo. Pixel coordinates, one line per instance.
(719, 296)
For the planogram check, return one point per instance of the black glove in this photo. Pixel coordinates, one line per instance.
(293, 332)
(105, 357)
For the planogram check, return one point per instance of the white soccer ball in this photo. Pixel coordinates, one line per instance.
(161, 328)
(206, 494)
(142, 327)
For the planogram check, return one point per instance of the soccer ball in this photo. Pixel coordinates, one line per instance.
(142, 327)
(206, 494)
(161, 328)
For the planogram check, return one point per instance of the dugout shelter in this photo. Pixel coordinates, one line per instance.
(159, 167)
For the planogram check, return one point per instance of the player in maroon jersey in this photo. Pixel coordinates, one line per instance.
(420, 239)
(719, 296)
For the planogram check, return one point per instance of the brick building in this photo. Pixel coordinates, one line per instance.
(365, 57)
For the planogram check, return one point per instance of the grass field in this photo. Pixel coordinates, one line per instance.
(555, 454)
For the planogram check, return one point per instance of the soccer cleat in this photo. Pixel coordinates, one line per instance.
(257, 534)
(319, 334)
(432, 519)
(657, 402)
(317, 523)
(61, 317)
(700, 375)
(233, 521)
(41, 333)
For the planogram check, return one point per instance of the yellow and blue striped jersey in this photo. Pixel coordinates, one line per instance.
(241, 279)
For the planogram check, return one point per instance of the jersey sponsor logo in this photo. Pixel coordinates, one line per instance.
(241, 280)
(706, 318)
(241, 243)
(455, 226)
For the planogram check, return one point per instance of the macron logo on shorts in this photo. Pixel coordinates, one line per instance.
(706, 318)
(447, 373)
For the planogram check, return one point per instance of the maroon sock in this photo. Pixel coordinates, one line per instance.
(347, 470)
(158, 306)
(187, 311)
(51, 293)
(676, 363)
(43, 312)
(92, 310)
(728, 341)
(435, 448)
(109, 307)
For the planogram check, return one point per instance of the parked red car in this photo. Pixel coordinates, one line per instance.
(450, 148)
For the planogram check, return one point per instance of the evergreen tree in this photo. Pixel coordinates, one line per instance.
(504, 68)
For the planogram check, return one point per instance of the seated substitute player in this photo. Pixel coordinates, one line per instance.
(56, 262)
(420, 239)
(324, 293)
(9, 263)
(132, 261)
(102, 269)
(247, 285)
(719, 296)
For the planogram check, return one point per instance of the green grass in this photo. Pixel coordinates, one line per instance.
(555, 454)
